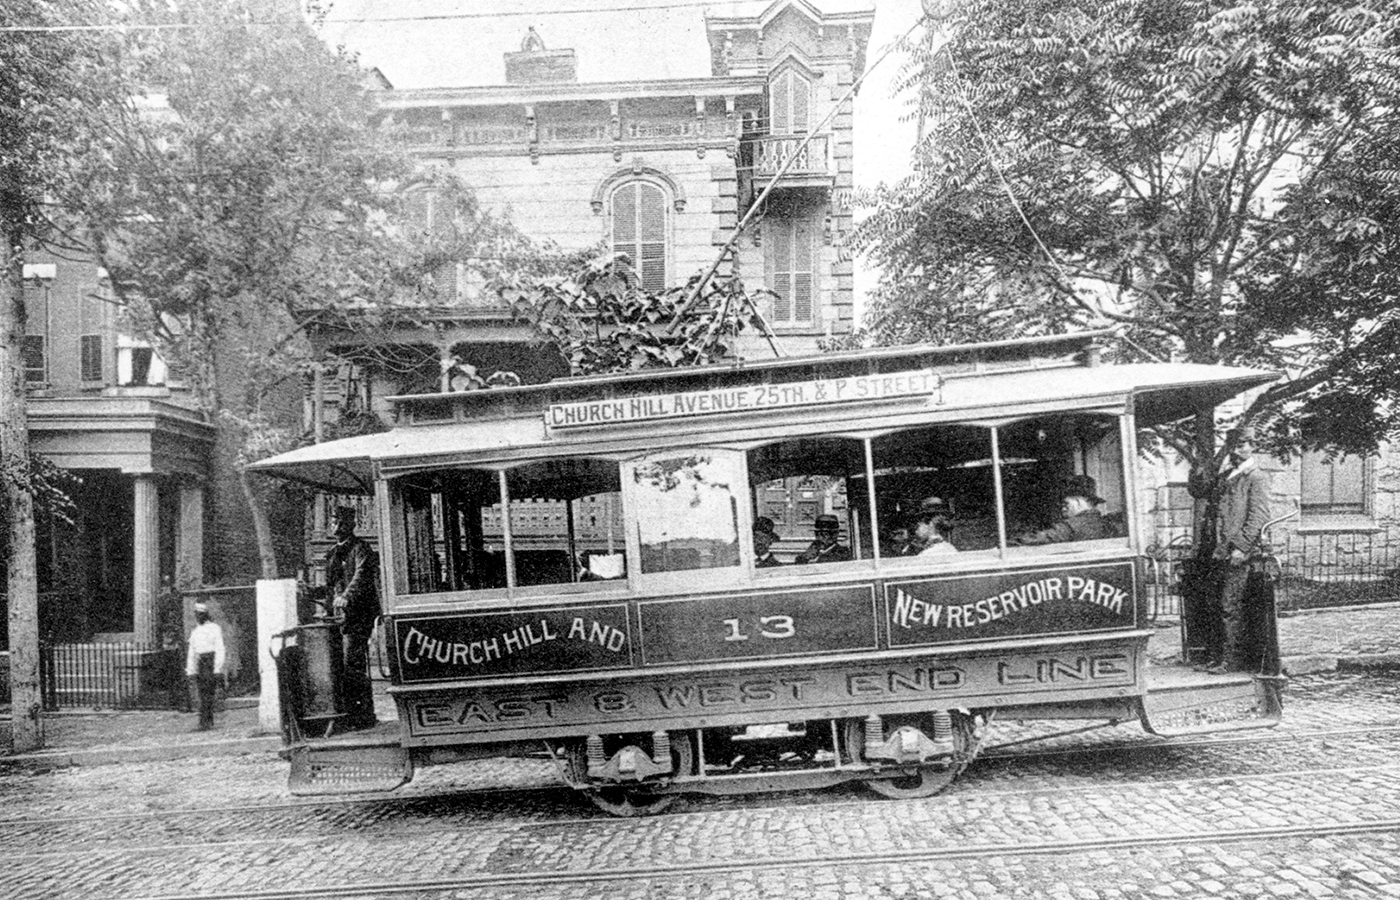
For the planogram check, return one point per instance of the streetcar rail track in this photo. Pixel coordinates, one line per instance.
(482, 882)
(429, 828)
(1146, 741)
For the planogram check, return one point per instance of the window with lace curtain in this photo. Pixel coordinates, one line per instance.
(639, 228)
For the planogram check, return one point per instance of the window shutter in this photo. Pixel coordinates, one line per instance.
(651, 237)
(790, 251)
(779, 108)
(90, 357)
(639, 230)
(35, 370)
(782, 272)
(441, 216)
(803, 267)
(801, 91)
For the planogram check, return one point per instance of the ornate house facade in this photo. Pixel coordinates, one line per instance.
(586, 139)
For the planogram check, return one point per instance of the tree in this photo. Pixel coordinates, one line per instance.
(602, 321)
(1215, 179)
(242, 188)
(48, 89)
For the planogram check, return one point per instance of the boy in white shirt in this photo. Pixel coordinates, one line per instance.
(205, 662)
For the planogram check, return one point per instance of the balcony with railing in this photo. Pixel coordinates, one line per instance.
(810, 167)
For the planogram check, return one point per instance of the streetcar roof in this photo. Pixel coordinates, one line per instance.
(517, 430)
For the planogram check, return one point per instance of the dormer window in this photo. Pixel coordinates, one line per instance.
(789, 103)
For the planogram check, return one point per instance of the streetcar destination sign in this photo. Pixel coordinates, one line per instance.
(749, 398)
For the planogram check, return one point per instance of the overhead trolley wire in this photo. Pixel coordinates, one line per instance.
(373, 20)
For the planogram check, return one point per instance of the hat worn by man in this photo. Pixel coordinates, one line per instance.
(345, 512)
(764, 525)
(827, 522)
(1082, 486)
(933, 506)
(201, 608)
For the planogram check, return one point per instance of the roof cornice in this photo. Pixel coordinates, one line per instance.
(491, 95)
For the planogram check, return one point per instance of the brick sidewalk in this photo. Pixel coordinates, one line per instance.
(1311, 641)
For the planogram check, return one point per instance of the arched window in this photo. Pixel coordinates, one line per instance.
(639, 230)
(789, 99)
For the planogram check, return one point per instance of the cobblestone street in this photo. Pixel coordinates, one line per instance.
(1311, 809)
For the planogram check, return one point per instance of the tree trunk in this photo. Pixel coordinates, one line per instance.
(261, 529)
(22, 573)
(1204, 485)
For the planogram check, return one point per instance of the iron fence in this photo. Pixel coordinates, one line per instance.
(1316, 570)
(110, 675)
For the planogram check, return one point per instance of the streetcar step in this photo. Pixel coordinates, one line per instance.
(348, 768)
(1180, 702)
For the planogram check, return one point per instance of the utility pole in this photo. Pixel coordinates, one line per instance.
(22, 590)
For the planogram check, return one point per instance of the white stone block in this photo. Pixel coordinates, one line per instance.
(277, 611)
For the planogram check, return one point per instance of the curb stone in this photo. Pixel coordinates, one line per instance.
(1307, 665)
(58, 759)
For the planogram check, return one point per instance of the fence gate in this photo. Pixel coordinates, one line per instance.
(110, 675)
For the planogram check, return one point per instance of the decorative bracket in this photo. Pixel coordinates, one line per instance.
(700, 127)
(616, 109)
(532, 133)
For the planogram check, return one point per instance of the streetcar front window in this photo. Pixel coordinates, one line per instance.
(566, 522)
(446, 518)
(685, 510)
(560, 524)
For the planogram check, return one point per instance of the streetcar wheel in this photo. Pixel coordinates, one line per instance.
(631, 800)
(913, 781)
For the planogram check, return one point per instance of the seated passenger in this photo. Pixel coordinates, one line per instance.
(827, 546)
(934, 530)
(1081, 520)
(763, 539)
(901, 542)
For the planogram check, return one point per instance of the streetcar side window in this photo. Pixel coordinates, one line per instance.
(685, 510)
(801, 497)
(566, 522)
(935, 491)
(445, 516)
(1062, 479)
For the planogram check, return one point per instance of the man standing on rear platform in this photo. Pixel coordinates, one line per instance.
(1244, 508)
(352, 573)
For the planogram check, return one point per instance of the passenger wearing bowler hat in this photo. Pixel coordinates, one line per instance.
(827, 546)
(205, 662)
(764, 537)
(1081, 519)
(352, 574)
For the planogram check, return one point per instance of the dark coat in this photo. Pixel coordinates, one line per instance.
(1244, 508)
(352, 570)
(815, 553)
(1087, 526)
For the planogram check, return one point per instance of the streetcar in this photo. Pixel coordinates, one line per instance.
(596, 570)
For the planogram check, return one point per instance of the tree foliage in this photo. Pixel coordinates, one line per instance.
(602, 321)
(247, 191)
(1217, 179)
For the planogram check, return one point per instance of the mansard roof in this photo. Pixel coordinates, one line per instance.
(447, 44)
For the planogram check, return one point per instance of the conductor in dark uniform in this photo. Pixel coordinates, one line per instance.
(352, 574)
